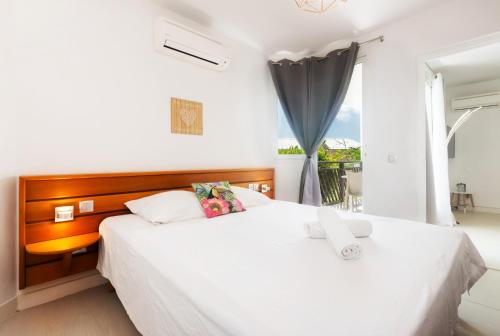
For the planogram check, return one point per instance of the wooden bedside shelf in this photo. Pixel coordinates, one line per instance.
(65, 246)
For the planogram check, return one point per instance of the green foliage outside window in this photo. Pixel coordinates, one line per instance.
(293, 150)
(337, 155)
(350, 154)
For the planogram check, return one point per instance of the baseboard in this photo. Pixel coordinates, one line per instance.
(7, 309)
(37, 295)
(487, 210)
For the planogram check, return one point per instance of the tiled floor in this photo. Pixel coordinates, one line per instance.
(480, 312)
(93, 312)
(484, 231)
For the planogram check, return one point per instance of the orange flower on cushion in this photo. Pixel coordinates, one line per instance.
(214, 207)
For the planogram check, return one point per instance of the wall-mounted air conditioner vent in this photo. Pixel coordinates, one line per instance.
(485, 100)
(189, 45)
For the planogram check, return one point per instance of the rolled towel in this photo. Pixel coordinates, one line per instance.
(360, 228)
(338, 234)
(314, 230)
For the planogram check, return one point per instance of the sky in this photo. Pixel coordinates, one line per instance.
(347, 123)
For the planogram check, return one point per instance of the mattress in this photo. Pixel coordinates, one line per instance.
(257, 273)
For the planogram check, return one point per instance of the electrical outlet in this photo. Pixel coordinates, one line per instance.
(253, 186)
(86, 206)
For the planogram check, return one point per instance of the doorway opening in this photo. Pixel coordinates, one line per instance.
(471, 103)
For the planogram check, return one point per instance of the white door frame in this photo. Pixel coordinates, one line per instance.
(466, 45)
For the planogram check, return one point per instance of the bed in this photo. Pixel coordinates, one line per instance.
(257, 273)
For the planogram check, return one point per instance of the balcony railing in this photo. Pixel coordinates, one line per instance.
(332, 179)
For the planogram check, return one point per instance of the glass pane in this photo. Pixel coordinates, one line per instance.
(345, 131)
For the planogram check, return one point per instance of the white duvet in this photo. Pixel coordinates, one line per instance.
(256, 273)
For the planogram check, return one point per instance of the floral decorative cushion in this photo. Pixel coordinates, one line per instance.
(217, 198)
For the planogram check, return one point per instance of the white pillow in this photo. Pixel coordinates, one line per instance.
(167, 207)
(250, 198)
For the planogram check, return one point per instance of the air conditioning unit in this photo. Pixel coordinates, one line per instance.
(472, 102)
(187, 44)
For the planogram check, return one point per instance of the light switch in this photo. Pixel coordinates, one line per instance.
(86, 206)
(63, 213)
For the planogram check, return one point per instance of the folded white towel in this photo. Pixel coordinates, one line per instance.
(338, 234)
(360, 228)
(314, 230)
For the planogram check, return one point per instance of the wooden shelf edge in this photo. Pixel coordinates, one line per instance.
(63, 245)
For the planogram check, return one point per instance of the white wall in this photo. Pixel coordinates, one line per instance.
(393, 114)
(7, 165)
(288, 172)
(92, 95)
(95, 96)
(476, 159)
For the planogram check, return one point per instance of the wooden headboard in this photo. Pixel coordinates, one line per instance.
(39, 195)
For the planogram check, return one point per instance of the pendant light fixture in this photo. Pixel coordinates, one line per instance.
(316, 6)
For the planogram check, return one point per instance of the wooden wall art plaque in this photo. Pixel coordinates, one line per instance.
(186, 116)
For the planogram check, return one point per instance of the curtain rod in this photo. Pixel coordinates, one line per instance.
(380, 38)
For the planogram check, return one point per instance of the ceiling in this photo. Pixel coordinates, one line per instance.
(277, 25)
(475, 65)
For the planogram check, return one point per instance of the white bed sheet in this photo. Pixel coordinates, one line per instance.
(256, 273)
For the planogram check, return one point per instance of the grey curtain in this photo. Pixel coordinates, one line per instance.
(311, 92)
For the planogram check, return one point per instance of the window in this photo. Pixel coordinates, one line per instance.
(343, 139)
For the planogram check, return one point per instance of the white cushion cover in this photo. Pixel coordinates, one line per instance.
(167, 207)
(250, 198)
